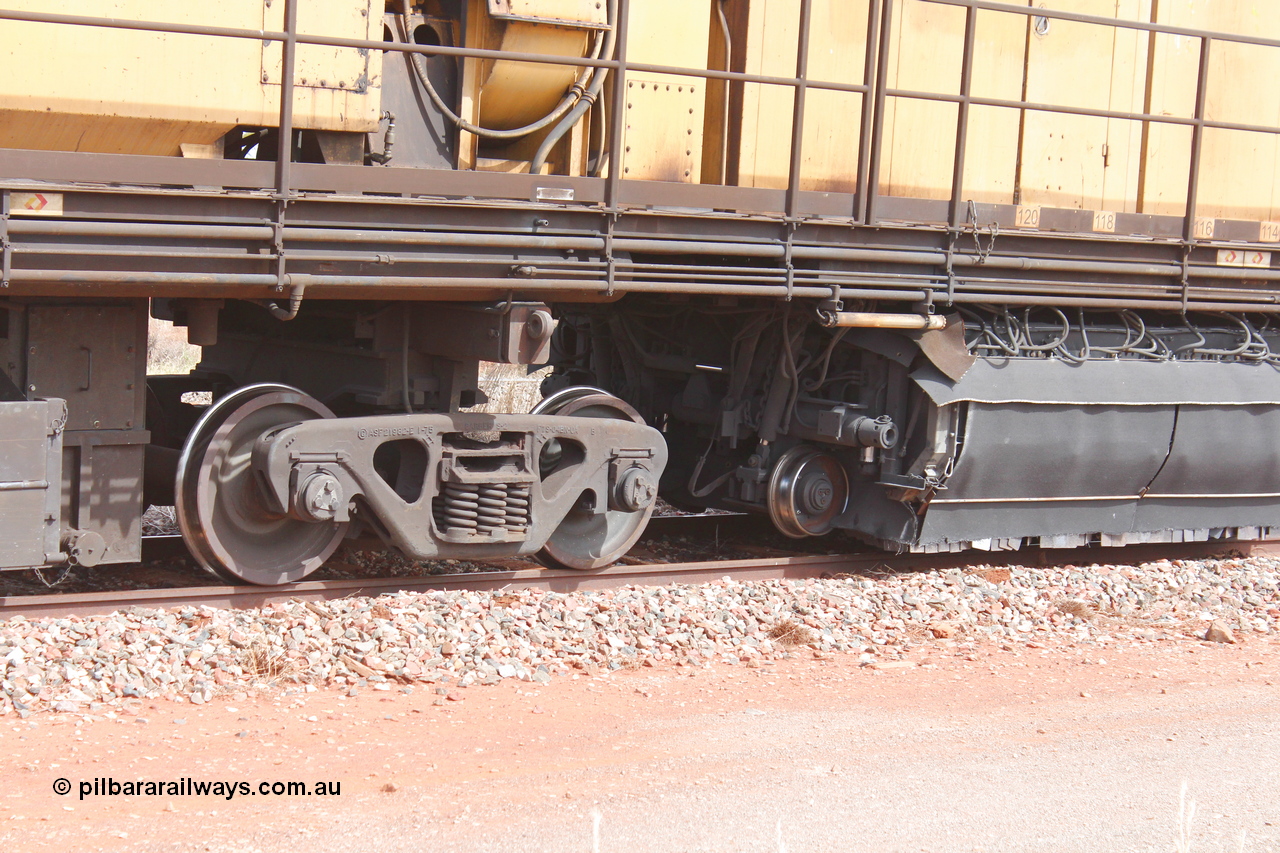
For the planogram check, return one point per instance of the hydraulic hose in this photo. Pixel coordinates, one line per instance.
(585, 102)
(286, 314)
(571, 98)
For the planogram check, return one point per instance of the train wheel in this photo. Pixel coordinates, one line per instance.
(554, 404)
(225, 522)
(586, 539)
(807, 490)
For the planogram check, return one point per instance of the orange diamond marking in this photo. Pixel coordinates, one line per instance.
(36, 202)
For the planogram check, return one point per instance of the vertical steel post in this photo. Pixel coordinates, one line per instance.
(797, 108)
(288, 60)
(869, 63)
(617, 109)
(801, 85)
(1197, 137)
(617, 117)
(877, 130)
(962, 117)
(1193, 172)
(284, 151)
(6, 248)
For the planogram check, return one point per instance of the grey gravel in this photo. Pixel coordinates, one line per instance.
(101, 664)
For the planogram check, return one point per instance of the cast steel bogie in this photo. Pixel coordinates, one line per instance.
(481, 461)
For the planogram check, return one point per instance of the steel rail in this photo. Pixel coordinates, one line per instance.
(586, 62)
(1066, 109)
(579, 276)
(89, 603)
(821, 281)
(874, 92)
(447, 246)
(767, 568)
(165, 546)
(993, 286)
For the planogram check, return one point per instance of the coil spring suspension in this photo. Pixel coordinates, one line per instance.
(486, 509)
(518, 507)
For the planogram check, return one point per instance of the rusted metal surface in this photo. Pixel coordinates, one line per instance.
(416, 255)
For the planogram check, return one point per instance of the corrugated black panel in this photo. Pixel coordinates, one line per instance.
(1028, 469)
(1029, 451)
(1223, 450)
(1198, 514)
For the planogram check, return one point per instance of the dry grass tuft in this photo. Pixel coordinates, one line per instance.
(160, 521)
(789, 632)
(1080, 609)
(1186, 816)
(264, 666)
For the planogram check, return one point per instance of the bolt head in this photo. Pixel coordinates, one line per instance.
(817, 495)
(320, 497)
(539, 325)
(636, 490)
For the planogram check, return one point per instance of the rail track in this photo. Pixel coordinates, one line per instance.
(797, 566)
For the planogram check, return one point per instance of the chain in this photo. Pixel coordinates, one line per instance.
(63, 574)
(993, 230)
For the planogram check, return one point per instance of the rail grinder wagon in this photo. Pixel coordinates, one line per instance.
(939, 274)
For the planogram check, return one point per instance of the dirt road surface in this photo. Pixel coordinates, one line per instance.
(985, 748)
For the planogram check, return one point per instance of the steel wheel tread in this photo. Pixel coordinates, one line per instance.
(586, 540)
(224, 521)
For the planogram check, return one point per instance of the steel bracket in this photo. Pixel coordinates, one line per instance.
(277, 244)
(6, 248)
(792, 226)
(1186, 277)
(952, 233)
(611, 262)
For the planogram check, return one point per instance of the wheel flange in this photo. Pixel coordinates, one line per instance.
(590, 536)
(227, 523)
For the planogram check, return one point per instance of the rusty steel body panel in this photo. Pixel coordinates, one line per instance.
(30, 474)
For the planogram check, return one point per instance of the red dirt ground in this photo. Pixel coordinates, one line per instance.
(1072, 747)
